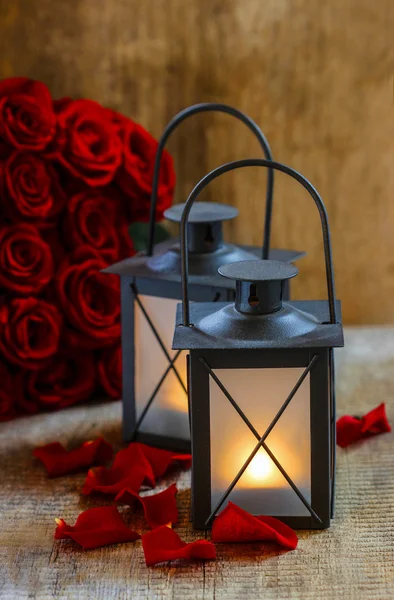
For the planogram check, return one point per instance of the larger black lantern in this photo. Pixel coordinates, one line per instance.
(155, 406)
(261, 387)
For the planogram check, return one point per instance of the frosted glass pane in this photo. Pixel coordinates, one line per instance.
(262, 489)
(168, 414)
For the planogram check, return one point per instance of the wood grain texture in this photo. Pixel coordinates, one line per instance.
(353, 560)
(316, 76)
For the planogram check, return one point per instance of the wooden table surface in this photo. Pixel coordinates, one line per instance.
(353, 559)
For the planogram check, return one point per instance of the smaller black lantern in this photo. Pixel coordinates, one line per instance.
(261, 387)
(155, 406)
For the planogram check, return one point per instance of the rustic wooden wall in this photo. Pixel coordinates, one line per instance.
(316, 75)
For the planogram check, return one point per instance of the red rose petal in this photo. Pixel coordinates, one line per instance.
(112, 481)
(132, 457)
(161, 460)
(133, 466)
(351, 429)
(348, 431)
(163, 544)
(234, 524)
(376, 421)
(59, 461)
(96, 527)
(130, 470)
(159, 509)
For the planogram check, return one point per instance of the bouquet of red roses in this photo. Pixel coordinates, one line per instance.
(73, 176)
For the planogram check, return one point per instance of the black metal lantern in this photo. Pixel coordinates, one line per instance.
(155, 406)
(261, 387)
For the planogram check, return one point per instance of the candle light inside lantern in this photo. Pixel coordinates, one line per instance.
(259, 469)
(262, 488)
(168, 413)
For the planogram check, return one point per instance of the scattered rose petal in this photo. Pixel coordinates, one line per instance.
(133, 466)
(59, 461)
(112, 481)
(161, 460)
(159, 509)
(163, 544)
(130, 470)
(234, 524)
(96, 527)
(353, 429)
(348, 431)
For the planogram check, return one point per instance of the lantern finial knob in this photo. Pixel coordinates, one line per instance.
(259, 284)
(205, 232)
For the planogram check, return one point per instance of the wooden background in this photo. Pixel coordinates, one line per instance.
(316, 75)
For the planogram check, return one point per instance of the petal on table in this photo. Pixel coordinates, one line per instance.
(163, 544)
(353, 429)
(129, 470)
(96, 527)
(59, 461)
(234, 524)
(159, 509)
(161, 460)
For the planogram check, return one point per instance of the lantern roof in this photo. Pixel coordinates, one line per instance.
(219, 326)
(202, 212)
(165, 263)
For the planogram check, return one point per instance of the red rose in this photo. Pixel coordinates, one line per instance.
(88, 142)
(94, 219)
(5, 150)
(26, 265)
(29, 332)
(110, 371)
(89, 299)
(67, 380)
(58, 251)
(31, 190)
(136, 174)
(27, 119)
(8, 394)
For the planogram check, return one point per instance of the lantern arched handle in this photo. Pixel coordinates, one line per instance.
(256, 162)
(172, 125)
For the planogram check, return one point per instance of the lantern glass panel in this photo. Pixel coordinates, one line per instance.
(168, 413)
(260, 393)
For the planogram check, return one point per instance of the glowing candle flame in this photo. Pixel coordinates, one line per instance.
(260, 467)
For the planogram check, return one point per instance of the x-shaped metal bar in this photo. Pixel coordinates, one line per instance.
(261, 439)
(171, 361)
(155, 391)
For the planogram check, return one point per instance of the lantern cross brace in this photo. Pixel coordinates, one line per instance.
(171, 361)
(155, 391)
(261, 439)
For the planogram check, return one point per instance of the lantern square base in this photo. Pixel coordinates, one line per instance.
(159, 441)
